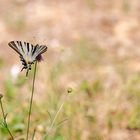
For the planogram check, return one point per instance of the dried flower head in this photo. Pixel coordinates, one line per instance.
(69, 90)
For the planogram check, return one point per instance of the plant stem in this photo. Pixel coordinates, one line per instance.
(34, 134)
(5, 122)
(55, 117)
(31, 102)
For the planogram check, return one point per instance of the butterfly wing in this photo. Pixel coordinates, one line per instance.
(38, 50)
(24, 49)
(27, 50)
(13, 45)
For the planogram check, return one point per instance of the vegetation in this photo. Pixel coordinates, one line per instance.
(93, 48)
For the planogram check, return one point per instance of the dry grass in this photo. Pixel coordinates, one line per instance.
(93, 48)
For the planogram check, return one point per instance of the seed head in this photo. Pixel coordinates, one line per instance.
(1, 96)
(69, 90)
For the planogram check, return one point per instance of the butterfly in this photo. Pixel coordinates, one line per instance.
(28, 53)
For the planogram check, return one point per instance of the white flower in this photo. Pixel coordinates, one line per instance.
(15, 70)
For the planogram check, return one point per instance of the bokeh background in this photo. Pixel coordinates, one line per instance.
(94, 48)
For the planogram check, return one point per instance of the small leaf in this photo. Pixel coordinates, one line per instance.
(49, 115)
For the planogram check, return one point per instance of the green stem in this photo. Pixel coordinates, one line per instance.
(5, 122)
(55, 117)
(34, 134)
(31, 102)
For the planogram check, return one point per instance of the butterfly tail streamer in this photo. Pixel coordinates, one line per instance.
(27, 72)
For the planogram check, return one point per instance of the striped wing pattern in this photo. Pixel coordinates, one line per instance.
(38, 50)
(28, 52)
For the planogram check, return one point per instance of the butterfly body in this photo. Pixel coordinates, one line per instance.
(28, 53)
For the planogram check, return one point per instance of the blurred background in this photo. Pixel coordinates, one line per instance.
(94, 48)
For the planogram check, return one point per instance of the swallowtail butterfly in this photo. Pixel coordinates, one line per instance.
(28, 53)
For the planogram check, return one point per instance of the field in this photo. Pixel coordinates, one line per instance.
(89, 80)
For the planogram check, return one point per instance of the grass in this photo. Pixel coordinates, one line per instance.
(14, 97)
(96, 105)
(4, 123)
(101, 67)
(19, 126)
(77, 112)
